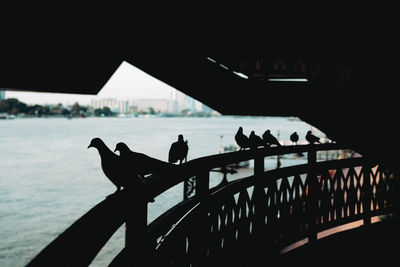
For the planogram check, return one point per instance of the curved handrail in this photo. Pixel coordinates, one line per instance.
(81, 242)
(234, 220)
(161, 182)
(236, 186)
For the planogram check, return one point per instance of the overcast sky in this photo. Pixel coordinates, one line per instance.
(128, 82)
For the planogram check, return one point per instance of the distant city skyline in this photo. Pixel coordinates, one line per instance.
(177, 103)
(128, 82)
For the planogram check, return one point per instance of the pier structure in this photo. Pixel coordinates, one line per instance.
(280, 215)
(270, 214)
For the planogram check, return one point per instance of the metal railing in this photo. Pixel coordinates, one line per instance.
(274, 208)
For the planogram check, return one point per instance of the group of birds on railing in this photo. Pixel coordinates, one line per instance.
(254, 141)
(120, 169)
(129, 167)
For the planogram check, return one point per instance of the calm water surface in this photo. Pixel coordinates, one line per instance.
(48, 177)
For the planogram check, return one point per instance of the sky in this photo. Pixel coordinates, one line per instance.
(128, 82)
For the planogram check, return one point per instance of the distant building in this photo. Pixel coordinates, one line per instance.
(173, 107)
(103, 102)
(176, 104)
(190, 103)
(159, 105)
(180, 100)
(123, 106)
(185, 102)
(207, 109)
(117, 106)
(134, 105)
(2, 95)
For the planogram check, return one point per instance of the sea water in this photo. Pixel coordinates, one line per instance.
(48, 177)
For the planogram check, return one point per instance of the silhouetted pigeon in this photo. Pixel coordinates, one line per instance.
(254, 140)
(269, 139)
(110, 163)
(140, 162)
(241, 139)
(312, 138)
(294, 137)
(178, 150)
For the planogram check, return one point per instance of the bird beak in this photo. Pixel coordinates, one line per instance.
(89, 146)
(116, 149)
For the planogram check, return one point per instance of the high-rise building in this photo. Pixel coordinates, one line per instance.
(2, 95)
(190, 103)
(123, 106)
(186, 102)
(180, 99)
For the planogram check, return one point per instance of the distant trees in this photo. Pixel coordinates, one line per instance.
(186, 112)
(106, 111)
(37, 110)
(76, 109)
(59, 109)
(13, 106)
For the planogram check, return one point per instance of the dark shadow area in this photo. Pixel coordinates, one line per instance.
(374, 245)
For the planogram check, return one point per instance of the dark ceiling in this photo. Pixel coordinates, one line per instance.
(353, 100)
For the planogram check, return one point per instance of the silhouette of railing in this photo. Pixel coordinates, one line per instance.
(240, 220)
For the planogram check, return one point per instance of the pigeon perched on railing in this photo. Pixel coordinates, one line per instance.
(110, 163)
(255, 140)
(139, 162)
(294, 137)
(269, 139)
(242, 140)
(312, 138)
(178, 150)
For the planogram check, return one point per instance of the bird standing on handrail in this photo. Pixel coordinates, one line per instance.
(255, 140)
(139, 162)
(269, 139)
(110, 163)
(294, 137)
(312, 138)
(241, 139)
(178, 150)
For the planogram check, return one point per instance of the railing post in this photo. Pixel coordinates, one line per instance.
(200, 237)
(203, 184)
(367, 194)
(312, 194)
(258, 165)
(136, 237)
(259, 205)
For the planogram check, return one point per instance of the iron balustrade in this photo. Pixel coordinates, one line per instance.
(275, 208)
